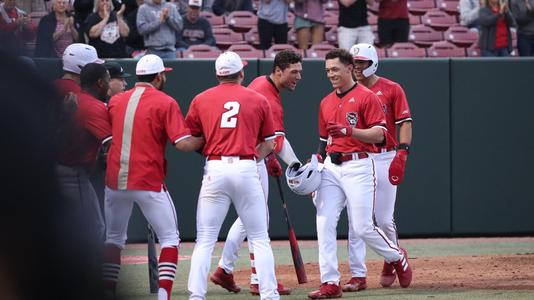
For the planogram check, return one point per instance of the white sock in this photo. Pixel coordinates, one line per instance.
(162, 294)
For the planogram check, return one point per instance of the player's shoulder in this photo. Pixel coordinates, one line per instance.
(258, 81)
(388, 83)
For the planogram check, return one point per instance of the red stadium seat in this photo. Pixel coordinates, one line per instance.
(420, 7)
(226, 37)
(215, 21)
(201, 51)
(461, 36)
(319, 50)
(331, 5)
(331, 19)
(331, 36)
(403, 50)
(241, 21)
(246, 51)
(445, 49)
(473, 51)
(424, 36)
(372, 19)
(414, 19)
(381, 52)
(451, 7)
(438, 19)
(271, 52)
(253, 37)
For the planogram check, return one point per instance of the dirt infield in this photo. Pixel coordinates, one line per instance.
(503, 272)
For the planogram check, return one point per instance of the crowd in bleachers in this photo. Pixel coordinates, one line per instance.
(260, 28)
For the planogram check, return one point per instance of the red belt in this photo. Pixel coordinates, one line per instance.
(244, 157)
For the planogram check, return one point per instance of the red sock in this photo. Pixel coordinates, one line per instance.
(111, 266)
(168, 260)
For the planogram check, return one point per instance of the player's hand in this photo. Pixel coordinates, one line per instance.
(397, 166)
(337, 130)
(273, 166)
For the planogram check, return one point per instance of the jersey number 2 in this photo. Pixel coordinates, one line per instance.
(228, 119)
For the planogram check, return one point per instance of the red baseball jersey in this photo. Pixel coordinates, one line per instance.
(91, 127)
(265, 86)
(232, 119)
(394, 104)
(64, 86)
(358, 108)
(142, 120)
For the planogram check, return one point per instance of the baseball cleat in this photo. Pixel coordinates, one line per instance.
(255, 289)
(387, 277)
(326, 291)
(355, 284)
(225, 280)
(403, 269)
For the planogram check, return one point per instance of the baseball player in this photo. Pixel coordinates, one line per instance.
(389, 161)
(142, 120)
(232, 119)
(351, 120)
(286, 73)
(118, 78)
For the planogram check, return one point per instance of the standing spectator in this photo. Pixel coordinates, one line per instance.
(134, 42)
(523, 11)
(196, 29)
(272, 22)
(225, 7)
(56, 31)
(393, 22)
(159, 22)
(106, 29)
(469, 13)
(82, 9)
(353, 27)
(309, 20)
(15, 26)
(495, 22)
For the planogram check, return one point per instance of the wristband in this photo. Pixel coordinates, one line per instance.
(404, 147)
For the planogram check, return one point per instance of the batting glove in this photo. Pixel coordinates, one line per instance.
(337, 130)
(273, 166)
(397, 166)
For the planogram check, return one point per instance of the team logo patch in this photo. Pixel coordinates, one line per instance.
(352, 118)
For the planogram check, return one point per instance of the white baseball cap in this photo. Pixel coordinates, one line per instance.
(150, 64)
(228, 63)
(195, 3)
(77, 55)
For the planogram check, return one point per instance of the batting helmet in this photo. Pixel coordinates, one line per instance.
(365, 51)
(306, 179)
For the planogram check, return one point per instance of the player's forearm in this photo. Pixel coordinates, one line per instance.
(405, 133)
(189, 144)
(265, 149)
(373, 135)
(287, 154)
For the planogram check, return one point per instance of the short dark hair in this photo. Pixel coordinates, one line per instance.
(91, 73)
(147, 78)
(344, 56)
(231, 77)
(285, 58)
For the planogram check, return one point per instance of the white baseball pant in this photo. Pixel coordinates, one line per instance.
(347, 37)
(351, 184)
(231, 181)
(383, 214)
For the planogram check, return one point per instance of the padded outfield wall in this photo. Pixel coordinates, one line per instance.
(469, 170)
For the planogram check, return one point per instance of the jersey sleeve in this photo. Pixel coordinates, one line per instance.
(192, 120)
(400, 105)
(175, 123)
(373, 113)
(97, 122)
(323, 133)
(267, 128)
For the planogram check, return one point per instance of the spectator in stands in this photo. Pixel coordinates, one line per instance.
(523, 11)
(16, 27)
(134, 42)
(393, 22)
(225, 7)
(272, 22)
(106, 30)
(83, 8)
(159, 22)
(309, 20)
(353, 27)
(196, 29)
(56, 31)
(495, 22)
(469, 13)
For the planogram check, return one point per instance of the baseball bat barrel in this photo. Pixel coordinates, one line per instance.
(153, 274)
(294, 245)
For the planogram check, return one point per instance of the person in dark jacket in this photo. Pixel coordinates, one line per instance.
(196, 29)
(495, 22)
(523, 11)
(135, 43)
(225, 7)
(56, 31)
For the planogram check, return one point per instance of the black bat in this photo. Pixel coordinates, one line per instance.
(153, 273)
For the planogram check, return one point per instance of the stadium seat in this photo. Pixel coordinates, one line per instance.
(415, 19)
(319, 50)
(372, 19)
(438, 19)
(271, 52)
(215, 21)
(331, 36)
(241, 21)
(226, 37)
(201, 51)
(424, 36)
(461, 36)
(403, 50)
(179, 54)
(36, 17)
(452, 7)
(473, 51)
(445, 49)
(253, 37)
(246, 51)
(331, 19)
(331, 5)
(420, 7)
(381, 52)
